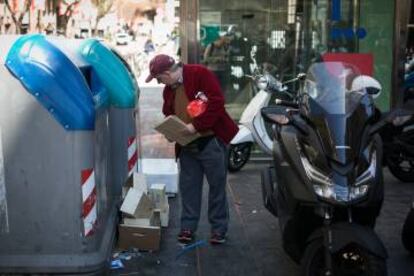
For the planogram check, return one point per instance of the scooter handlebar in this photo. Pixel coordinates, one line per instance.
(286, 103)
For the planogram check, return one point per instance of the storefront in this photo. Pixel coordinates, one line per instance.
(286, 36)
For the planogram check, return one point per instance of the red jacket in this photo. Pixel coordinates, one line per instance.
(198, 78)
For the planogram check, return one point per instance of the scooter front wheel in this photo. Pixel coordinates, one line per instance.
(238, 156)
(401, 166)
(351, 260)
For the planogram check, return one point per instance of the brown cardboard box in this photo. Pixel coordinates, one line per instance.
(157, 193)
(137, 204)
(172, 128)
(164, 214)
(127, 185)
(143, 237)
(137, 181)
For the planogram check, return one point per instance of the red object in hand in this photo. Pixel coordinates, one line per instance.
(198, 106)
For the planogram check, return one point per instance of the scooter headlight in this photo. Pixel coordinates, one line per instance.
(370, 172)
(325, 187)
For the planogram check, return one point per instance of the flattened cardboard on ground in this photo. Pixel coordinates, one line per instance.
(172, 128)
(137, 204)
(141, 237)
(158, 195)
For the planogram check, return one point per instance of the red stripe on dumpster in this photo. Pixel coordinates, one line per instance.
(131, 140)
(85, 174)
(132, 155)
(133, 161)
(89, 203)
(89, 211)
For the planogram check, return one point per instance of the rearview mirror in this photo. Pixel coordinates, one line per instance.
(301, 76)
(371, 85)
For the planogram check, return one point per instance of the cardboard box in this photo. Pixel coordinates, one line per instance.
(129, 183)
(140, 182)
(164, 215)
(137, 204)
(143, 237)
(172, 128)
(137, 222)
(158, 195)
(135, 180)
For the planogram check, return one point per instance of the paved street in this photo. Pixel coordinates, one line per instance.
(254, 245)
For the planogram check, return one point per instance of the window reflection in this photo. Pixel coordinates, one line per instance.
(280, 36)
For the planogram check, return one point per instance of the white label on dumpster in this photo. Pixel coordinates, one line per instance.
(4, 219)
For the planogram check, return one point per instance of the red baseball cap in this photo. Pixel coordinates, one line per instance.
(159, 64)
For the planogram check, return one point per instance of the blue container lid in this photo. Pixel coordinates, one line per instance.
(48, 74)
(112, 73)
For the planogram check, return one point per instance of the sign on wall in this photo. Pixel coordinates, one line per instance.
(209, 27)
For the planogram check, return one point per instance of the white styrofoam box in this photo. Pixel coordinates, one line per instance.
(137, 204)
(161, 171)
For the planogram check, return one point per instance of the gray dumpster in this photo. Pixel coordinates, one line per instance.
(123, 95)
(55, 214)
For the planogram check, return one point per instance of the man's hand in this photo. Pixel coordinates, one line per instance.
(190, 129)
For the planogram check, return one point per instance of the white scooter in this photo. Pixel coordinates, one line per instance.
(251, 125)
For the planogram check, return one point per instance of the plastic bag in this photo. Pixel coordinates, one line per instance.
(198, 106)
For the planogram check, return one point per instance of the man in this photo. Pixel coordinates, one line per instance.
(206, 155)
(216, 58)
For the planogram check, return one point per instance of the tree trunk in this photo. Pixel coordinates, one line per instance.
(18, 20)
(63, 19)
(13, 16)
(62, 23)
(95, 29)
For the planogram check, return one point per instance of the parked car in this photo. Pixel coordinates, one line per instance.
(122, 39)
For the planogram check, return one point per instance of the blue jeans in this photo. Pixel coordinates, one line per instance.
(211, 161)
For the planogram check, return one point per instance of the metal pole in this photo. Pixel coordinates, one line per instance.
(189, 21)
(401, 17)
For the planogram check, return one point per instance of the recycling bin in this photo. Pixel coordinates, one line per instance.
(123, 96)
(55, 213)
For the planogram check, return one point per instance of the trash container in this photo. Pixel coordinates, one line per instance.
(123, 95)
(54, 215)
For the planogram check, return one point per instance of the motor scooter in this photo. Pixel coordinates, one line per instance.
(398, 138)
(326, 183)
(252, 128)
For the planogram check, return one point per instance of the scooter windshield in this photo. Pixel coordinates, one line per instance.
(335, 100)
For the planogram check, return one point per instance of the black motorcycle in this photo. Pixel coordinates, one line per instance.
(398, 138)
(326, 185)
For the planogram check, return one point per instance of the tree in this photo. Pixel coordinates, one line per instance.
(63, 16)
(17, 16)
(103, 7)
